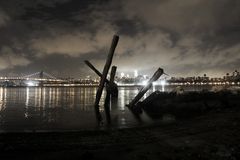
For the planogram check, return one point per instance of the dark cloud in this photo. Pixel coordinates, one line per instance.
(3, 18)
(9, 59)
(189, 37)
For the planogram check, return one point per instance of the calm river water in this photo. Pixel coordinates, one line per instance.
(64, 108)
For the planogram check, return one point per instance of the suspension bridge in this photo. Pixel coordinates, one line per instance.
(35, 76)
(36, 79)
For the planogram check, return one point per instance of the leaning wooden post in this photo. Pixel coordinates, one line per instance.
(114, 87)
(109, 89)
(104, 76)
(89, 64)
(156, 75)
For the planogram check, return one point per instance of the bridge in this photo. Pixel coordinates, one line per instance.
(35, 79)
(35, 76)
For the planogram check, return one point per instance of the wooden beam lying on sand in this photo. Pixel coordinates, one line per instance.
(144, 89)
(104, 76)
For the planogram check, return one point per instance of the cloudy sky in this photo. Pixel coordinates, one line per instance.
(184, 37)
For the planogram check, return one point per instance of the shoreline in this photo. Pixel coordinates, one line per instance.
(129, 85)
(213, 135)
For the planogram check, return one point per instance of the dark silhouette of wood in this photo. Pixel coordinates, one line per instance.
(151, 98)
(89, 64)
(112, 75)
(114, 85)
(104, 76)
(108, 98)
(144, 89)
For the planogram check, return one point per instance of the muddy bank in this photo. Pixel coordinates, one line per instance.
(213, 135)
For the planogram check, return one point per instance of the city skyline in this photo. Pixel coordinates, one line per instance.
(187, 38)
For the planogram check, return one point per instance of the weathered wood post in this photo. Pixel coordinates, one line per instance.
(144, 89)
(104, 76)
(112, 76)
(114, 85)
(89, 64)
(109, 89)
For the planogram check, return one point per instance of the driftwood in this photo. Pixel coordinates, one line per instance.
(143, 90)
(109, 89)
(114, 90)
(104, 76)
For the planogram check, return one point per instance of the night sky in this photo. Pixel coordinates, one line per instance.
(184, 37)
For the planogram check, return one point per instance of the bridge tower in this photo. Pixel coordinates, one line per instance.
(41, 77)
(41, 74)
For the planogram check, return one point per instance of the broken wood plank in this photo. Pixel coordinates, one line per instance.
(104, 76)
(144, 89)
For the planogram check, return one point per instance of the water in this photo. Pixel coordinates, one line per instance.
(64, 108)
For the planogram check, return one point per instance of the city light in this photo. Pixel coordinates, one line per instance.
(135, 73)
(31, 83)
(163, 82)
(144, 83)
(122, 75)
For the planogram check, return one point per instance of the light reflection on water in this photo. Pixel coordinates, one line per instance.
(62, 108)
(59, 108)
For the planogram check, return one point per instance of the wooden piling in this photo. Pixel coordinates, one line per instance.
(144, 89)
(112, 75)
(104, 76)
(89, 64)
(114, 85)
(109, 89)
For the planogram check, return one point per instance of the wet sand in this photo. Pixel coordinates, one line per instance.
(214, 135)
